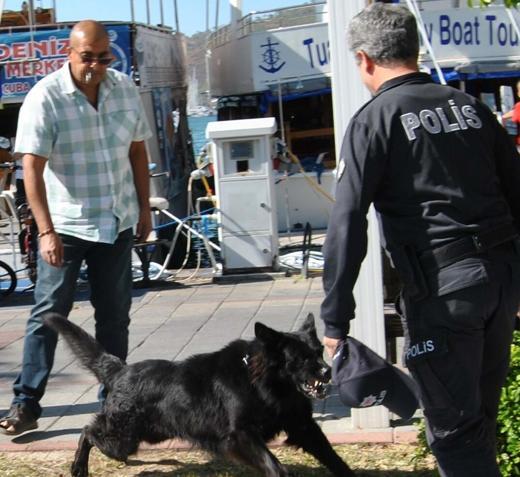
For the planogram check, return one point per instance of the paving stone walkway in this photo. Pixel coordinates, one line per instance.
(170, 323)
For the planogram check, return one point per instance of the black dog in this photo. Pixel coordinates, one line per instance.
(230, 402)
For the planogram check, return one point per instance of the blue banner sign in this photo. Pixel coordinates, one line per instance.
(473, 34)
(24, 59)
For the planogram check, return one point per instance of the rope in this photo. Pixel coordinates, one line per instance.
(309, 179)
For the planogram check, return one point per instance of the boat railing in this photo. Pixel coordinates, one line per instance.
(219, 37)
(10, 29)
(424, 5)
(276, 18)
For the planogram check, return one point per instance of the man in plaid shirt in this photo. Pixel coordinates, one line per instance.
(81, 131)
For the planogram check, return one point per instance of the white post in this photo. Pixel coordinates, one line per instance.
(348, 95)
(236, 10)
(236, 15)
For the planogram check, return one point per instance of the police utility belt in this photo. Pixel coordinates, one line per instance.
(412, 266)
(466, 247)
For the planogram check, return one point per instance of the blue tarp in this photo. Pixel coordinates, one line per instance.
(270, 97)
(453, 75)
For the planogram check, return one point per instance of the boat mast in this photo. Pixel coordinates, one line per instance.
(176, 12)
(132, 11)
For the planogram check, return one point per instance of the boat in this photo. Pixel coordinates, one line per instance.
(200, 111)
(195, 98)
(277, 63)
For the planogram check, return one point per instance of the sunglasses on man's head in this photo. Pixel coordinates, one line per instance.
(88, 59)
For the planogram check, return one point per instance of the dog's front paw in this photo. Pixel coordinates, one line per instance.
(78, 470)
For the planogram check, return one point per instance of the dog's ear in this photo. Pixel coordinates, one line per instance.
(308, 325)
(265, 334)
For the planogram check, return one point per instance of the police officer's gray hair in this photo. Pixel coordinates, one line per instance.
(386, 33)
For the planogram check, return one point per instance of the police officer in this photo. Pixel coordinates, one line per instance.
(444, 179)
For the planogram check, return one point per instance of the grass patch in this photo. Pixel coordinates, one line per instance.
(368, 460)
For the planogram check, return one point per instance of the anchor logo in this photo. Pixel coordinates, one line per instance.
(271, 58)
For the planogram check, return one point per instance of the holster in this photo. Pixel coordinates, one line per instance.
(406, 262)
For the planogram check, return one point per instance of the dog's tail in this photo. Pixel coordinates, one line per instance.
(90, 353)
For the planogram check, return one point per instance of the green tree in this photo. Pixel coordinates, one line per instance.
(485, 3)
(508, 432)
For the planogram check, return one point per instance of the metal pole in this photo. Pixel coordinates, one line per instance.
(412, 6)
(148, 12)
(54, 10)
(286, 175)
(348, 95)
(162, 12)
(31, 29)
(132, 11)
(280, 111)
(513, 21)
(207, 15)
(31, 14)
(176, 12)
(216, 15)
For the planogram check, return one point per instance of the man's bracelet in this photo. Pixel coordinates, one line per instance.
(46, 232)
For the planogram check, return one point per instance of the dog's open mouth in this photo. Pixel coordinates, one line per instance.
(315, 389)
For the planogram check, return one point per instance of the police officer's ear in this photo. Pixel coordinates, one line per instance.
(365, 63)
(367, 71)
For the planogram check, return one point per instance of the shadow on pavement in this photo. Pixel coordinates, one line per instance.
(25, 298)
(66, 410)
(71, 409)
(57, 411)
(36, 436)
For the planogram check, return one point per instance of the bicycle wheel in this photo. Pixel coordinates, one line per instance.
(7, 279)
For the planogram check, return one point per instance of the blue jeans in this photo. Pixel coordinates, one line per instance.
(110, 280)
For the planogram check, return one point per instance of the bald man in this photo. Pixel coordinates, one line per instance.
(81, 132)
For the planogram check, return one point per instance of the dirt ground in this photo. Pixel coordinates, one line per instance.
(368, 460)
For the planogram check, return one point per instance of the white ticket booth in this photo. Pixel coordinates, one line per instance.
(244, 184)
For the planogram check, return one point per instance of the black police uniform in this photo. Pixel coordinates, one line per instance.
(445, 182)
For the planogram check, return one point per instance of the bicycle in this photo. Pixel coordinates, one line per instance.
(27, 238)
(144, 275)
(8, 279)
(28, 243)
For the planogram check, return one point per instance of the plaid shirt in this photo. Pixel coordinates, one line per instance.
(88, 175)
